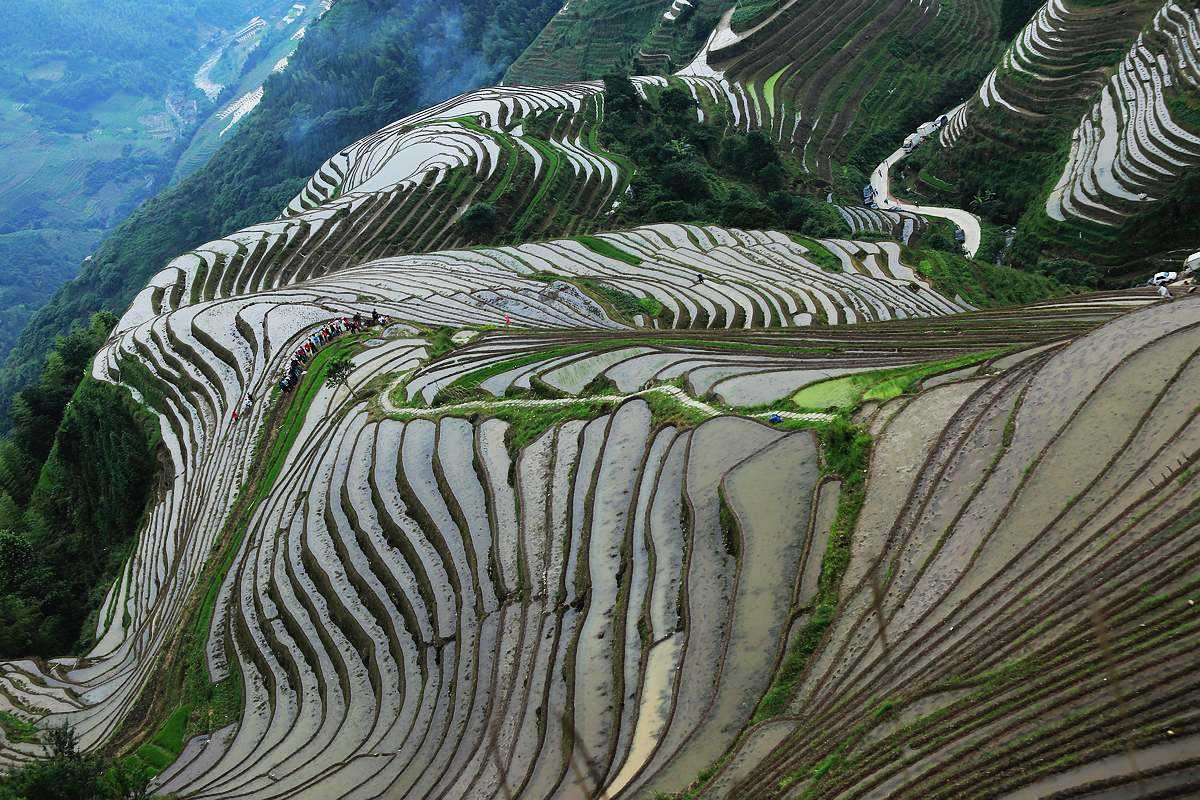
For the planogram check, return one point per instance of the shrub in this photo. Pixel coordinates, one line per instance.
(480, 221)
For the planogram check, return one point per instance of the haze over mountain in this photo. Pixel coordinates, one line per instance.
(633, 399)
(102, 104)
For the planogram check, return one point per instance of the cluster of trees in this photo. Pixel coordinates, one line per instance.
(367, 63)
(69, 774)
(1015, 14)
(692, 171)
(76, 472)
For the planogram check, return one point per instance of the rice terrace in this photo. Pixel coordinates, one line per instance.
(664, 399)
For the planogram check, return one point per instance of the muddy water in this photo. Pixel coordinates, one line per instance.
(770, 495)
(432, 570)
(566, 455)
(495, 466)
(631, 375)
(654, 709)
(669, 540)
(896, 461)
(826, 510)
(533, 478)
(456, 461)
(583, 476)
(760, 388)
(1150, 758)
(571, 378)
(636, 633)
(965, 469)
(1170, 424)
(1106, 419)
(716, 446)
(597, 709)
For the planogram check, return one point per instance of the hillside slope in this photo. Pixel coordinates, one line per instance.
(1086, 133)
(350, 74)
(675, 509)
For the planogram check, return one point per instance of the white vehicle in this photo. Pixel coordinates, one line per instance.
(1192, 263)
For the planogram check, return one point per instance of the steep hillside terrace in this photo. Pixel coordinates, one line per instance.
(854, 74)
(1143, 133)
(1056, 64)
(1041, 643)
(589, 39)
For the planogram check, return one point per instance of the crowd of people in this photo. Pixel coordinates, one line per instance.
(330, 331)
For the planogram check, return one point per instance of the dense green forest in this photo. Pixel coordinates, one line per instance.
(75, 476)
(70, 774)
(367, 63)
(691, 171)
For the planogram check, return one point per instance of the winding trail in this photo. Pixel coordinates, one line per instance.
(674, 392)
(881, 183)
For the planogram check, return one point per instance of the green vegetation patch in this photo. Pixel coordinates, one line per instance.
(608, 249)
(846, 449)
(621, 301)
(749, 12)
(689, 171)
(528, 423)
(819, 254)
(67, 536)
(849, 390)
(167, 743)
(982, 284)
(17, 729)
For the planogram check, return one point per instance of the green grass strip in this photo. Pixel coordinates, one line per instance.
(553, 164)
(769, 89)
(510, 149)
(606, 248)
(884, 384)
(847, 451)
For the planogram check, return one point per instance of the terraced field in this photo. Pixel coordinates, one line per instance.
(1018, 615)
(1128, 150)
(677, 509)
(353, 596)
(1089, 120)
(591, 38)
(841, 75)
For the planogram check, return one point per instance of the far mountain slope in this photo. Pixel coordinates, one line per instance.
(98, 101)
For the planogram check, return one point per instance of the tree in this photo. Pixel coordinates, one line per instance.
(677, 104)
(69, 774)
(338, 373)
(480, 221)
